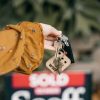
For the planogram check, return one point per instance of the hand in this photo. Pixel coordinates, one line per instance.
(50, 35)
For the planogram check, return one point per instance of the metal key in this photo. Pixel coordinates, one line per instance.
(57, 63)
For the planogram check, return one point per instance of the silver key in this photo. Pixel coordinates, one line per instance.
(57, 63)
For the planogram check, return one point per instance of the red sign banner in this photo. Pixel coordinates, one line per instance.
(73, 85)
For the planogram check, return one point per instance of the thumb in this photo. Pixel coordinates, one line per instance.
(56, 32)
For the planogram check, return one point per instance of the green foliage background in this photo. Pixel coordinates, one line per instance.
(74, 17)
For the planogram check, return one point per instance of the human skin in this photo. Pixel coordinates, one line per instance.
(50, 35)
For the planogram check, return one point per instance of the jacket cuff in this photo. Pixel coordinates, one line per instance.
(34, 47)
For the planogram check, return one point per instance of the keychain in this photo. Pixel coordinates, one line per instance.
(63, 56)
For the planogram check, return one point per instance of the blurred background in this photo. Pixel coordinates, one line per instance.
(78, 19)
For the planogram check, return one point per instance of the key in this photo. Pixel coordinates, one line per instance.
(63, 56)
(57, 63)
(53, 63)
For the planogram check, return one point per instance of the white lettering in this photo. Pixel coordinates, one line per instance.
(54, 98)
(38, 99)
(62, 80)
(21, 93)
(73, 94)
(70, 93)
(45, 80)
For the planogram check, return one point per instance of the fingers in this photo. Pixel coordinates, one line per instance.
(51, 38)
(56, 32)
(49, 30)
(49, 45)
(54, 35)
(50, 48)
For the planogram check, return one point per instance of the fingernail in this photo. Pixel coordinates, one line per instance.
(60, 33)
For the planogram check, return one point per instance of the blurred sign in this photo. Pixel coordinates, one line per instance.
(49, 86)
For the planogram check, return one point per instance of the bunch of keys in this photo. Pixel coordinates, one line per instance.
(63, 56)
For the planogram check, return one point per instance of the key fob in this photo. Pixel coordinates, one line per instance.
(63, 63)
(67, 48)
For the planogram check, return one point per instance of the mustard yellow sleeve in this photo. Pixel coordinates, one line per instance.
(21, 48)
